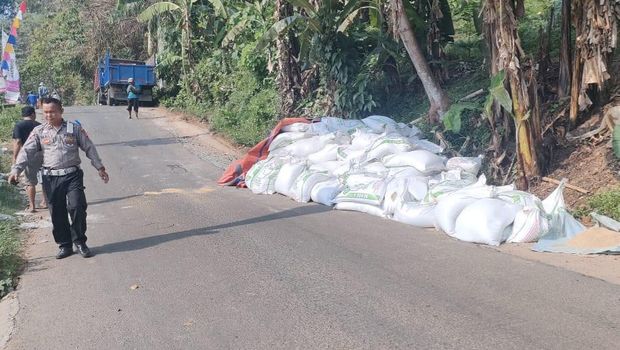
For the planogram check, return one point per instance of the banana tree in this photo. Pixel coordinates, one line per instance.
(514, 87)
(182, 9)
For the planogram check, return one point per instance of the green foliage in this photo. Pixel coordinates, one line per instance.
(452, 118)
(605, 203)
(250, 110)
(10, 261)
(8, 117)
(497, 92)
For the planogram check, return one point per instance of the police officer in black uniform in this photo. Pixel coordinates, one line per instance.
(63, 182)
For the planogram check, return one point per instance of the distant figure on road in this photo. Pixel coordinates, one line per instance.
(32, 99)
(133, 99)
(21, 132)
(63, 180)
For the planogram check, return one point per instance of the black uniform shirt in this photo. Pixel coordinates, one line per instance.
(23, 129)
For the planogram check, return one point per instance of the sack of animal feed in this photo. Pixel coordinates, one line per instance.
(361, 207)
(486, 221)
(424, 161)
(287, 176)
(261, 177)
(362, 188)
(379, 123)
(421, 144)
(416, 214)
(386, 145)
(529, 225)
(286, 138)
(305, 182)
(325, 192)
(467, 164)
(296, 127)
(328, 153)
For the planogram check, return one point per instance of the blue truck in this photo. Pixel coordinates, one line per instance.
(111, 80)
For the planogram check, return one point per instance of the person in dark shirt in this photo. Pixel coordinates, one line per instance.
(21, 132)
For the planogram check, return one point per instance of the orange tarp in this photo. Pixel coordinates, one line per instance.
(235, 173)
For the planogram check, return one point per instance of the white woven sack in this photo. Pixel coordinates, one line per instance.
(425, 145)
(286, 138)
(302, 188)
(362, 188)
(328, 153)
(361, 207)
(468, 164)
(379, 123)
(424, 161)
(387, 145)
(416, 214)
(325, 192)
(296, 127)
(287, 176)
(262, 176)
(486, 221)
(529, 225)
(395, 192)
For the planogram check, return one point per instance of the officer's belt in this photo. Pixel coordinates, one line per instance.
(59, 172)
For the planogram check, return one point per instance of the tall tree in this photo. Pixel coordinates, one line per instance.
(289, 75)
(439, 101)
(565, 50)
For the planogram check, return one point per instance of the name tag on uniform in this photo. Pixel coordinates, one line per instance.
(69, 128)
(46, 141)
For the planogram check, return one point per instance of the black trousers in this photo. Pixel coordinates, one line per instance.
(66, 198)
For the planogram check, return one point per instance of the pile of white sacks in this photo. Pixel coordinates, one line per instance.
(383, 168)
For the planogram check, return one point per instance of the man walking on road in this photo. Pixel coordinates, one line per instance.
(132, 97)
(63, 180)
(21, 131)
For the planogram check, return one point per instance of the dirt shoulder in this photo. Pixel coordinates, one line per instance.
(220, 151)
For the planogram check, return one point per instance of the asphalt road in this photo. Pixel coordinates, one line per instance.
(184, 264)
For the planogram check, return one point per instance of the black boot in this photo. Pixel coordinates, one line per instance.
(83, 249)
(64, 252)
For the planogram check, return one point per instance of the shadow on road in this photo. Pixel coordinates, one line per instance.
(113, 199)
(150, 142)
(147, 242)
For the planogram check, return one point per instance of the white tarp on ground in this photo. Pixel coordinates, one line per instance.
(383, 168)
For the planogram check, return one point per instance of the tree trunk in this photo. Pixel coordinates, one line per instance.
(289, 77)
(500, 18)
(564, 80)
(439, 102)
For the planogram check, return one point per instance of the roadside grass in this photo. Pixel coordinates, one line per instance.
(606, 203)
(10, 202)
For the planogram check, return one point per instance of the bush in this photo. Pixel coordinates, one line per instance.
(250, 112)
(605, 203)
(8, 117)
(10, 261)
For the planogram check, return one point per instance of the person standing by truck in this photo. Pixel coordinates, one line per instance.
(133, 99)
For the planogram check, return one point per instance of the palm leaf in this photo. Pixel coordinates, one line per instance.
(219, 8)
(351, 17)
(157, 9)
(234, 31)
(304, 4)
(279, 27)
